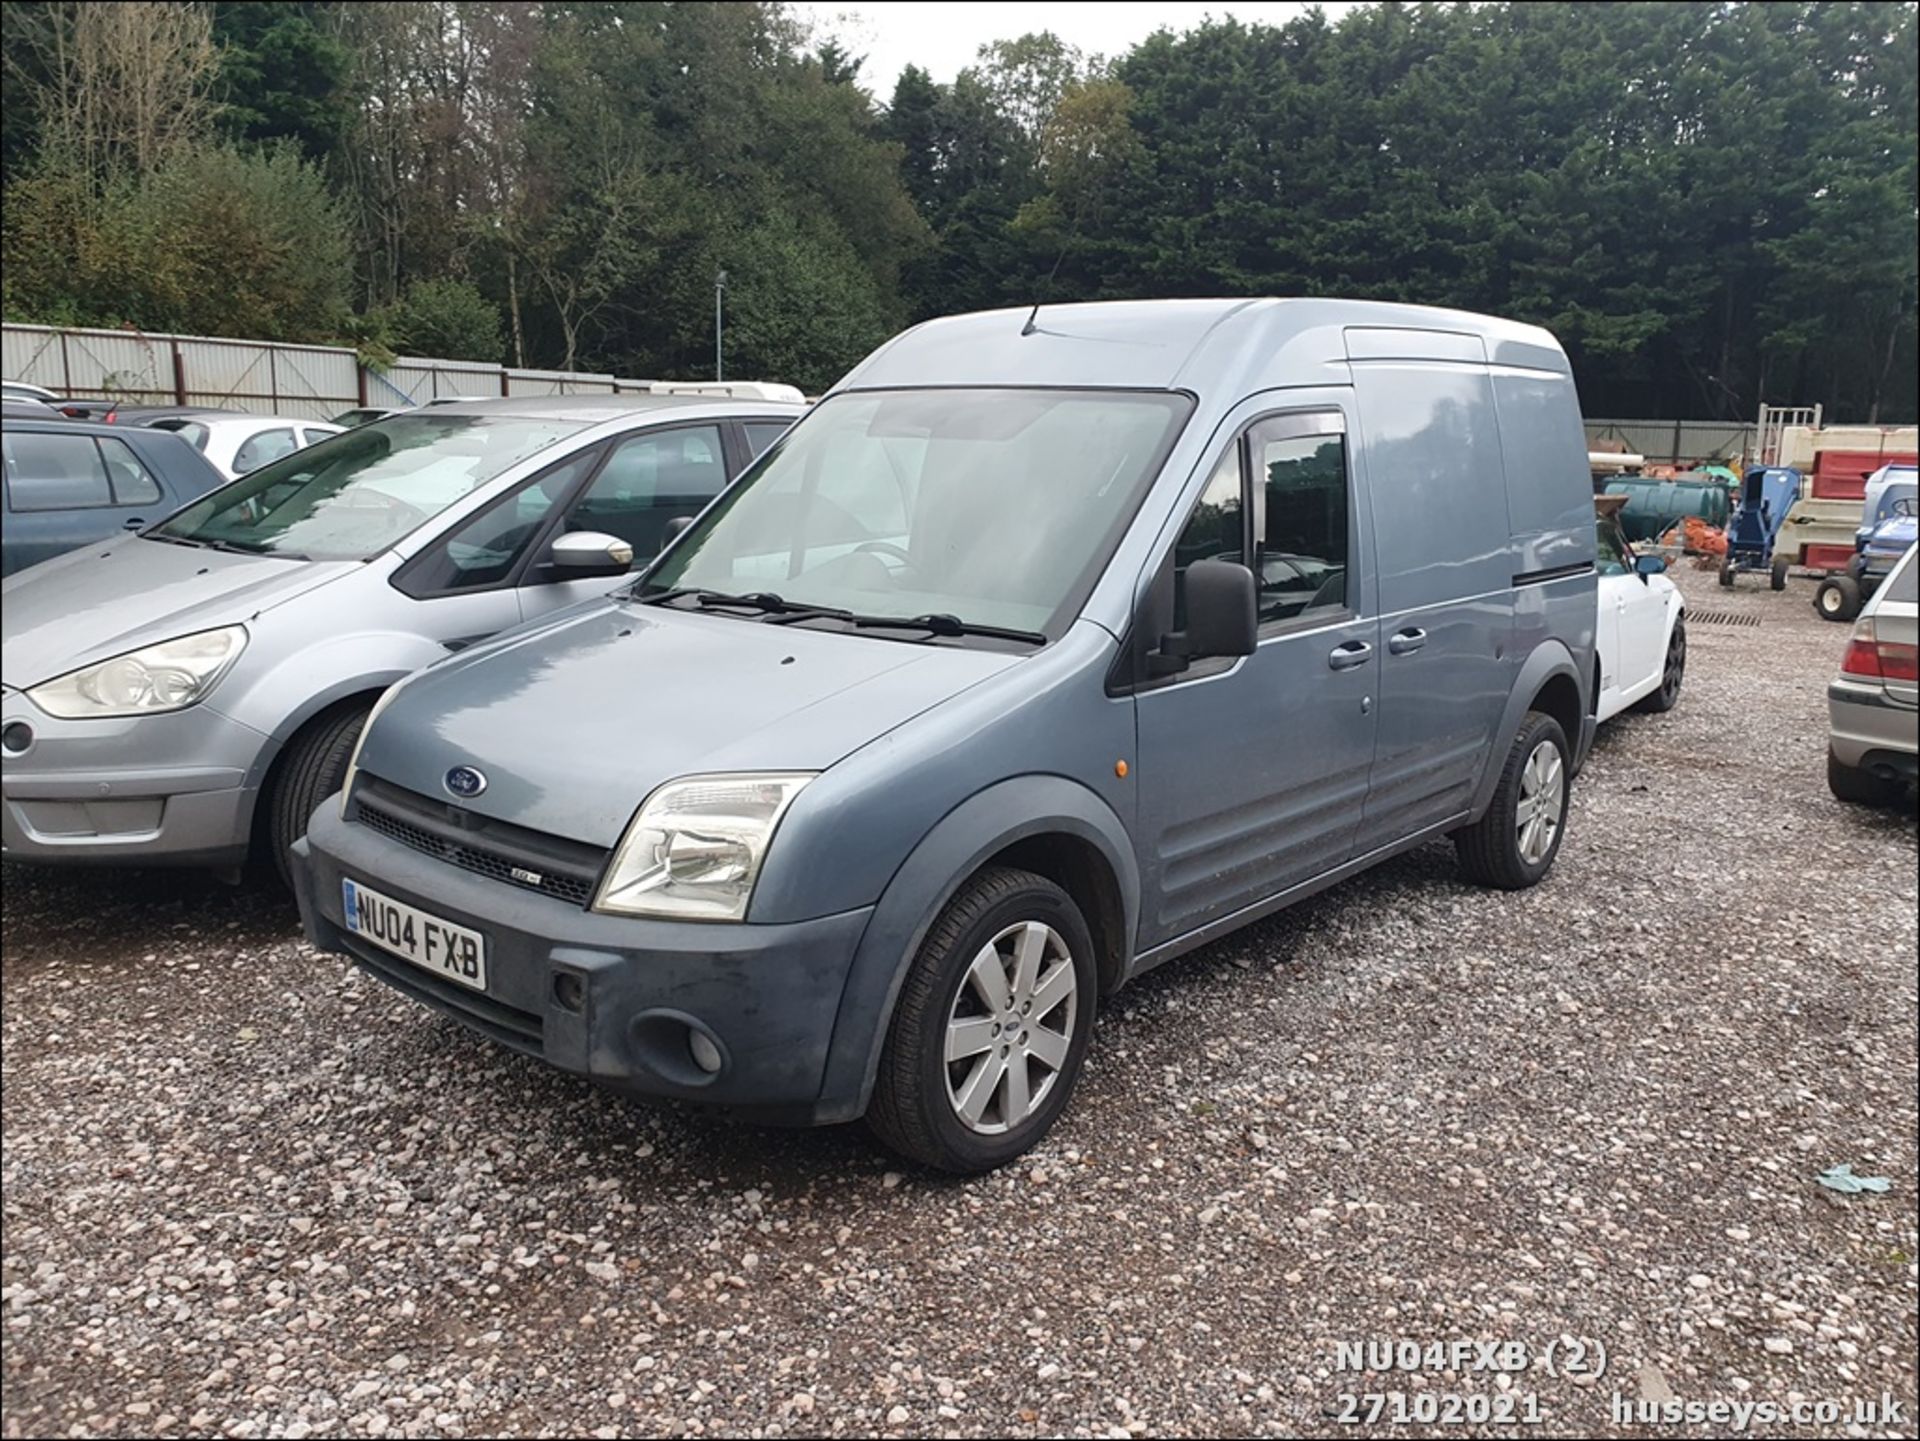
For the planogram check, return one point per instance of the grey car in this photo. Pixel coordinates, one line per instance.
(1045, 648)
(70, 483)
(187, 694)
(1873, 705)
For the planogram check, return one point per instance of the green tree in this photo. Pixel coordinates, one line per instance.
(283, 74)
(446, 318)
(212, 241)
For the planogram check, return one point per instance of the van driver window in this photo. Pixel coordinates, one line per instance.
(1215, 530)
(1301, 561)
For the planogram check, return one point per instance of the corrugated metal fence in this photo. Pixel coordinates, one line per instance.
(1668, 442)
(318, 381)
(314, 381)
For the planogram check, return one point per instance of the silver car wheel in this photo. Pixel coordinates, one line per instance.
(1542, 804)
(1010, 1027)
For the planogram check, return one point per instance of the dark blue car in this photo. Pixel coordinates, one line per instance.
(69, 482)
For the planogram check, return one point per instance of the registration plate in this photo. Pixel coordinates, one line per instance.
(411, 934)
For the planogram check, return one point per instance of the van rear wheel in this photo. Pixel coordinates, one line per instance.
(1513, 845)
(314, 768)
(991, 1028)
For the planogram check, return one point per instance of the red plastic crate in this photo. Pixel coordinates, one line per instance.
(1842, 474)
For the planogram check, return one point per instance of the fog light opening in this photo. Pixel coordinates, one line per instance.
(569, 991)
(16, 737)
(705, 1054)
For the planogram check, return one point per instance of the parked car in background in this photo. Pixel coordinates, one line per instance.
(188, 695)
(70, 482)
(730, 389)
(1641, 636)
(83, 407)
(237, 444)
(1873, 705)
(365, 414)
(1034, 656)
(21, 390)
(25, 408)
(110, 411)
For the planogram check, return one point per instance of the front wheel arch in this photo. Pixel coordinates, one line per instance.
(1022, 815)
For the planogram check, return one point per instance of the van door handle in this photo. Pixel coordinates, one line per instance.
(1353, 653)
(1406, 642)
(135, 523)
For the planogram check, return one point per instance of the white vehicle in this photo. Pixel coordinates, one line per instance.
(1641, 639)
(730, 389)
(235, 444)
(20, 390)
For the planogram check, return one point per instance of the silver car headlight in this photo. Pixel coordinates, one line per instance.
(169, 676)
(693, 851)
(359, 743)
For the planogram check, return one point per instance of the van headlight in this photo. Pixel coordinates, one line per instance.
(694, 849)
(169, 676)
(359, 742)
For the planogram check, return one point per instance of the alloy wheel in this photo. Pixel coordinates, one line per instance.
(1542, 804)
(1010, 1027)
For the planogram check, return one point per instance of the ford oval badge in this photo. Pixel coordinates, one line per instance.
(464, 782)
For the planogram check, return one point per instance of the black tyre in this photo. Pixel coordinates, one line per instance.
(991, 1028)
(1838, 598)
(313, 769)
(1513, 845)
(1780, 569)
(1673, 673)
(1726, 571)
(1857, 787)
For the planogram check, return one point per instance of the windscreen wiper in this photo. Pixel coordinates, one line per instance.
(943, 624)
(776, 608)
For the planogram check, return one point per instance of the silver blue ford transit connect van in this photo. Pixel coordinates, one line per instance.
(1048, 646)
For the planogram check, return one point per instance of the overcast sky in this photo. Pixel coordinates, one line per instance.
(943, 38)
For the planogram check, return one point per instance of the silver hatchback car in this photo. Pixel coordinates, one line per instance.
(1873, 705)
(188, 694)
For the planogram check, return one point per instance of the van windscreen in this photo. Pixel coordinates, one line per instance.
(994, 506)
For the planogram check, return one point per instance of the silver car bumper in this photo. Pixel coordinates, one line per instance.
(1870, 730)
(149, 790)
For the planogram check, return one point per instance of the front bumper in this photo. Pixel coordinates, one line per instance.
(142, 790)
(1869, 730)
(609, 997)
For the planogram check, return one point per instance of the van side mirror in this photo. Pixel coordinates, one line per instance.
(673, 529)
(1646, 565)
(580, 554)
(1222, 617)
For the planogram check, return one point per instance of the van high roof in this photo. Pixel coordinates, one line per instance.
(1181, 344)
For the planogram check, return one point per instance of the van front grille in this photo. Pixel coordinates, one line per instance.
(552, 865)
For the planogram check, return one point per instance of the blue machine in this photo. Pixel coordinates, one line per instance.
(1766, 495)
(1889, 525)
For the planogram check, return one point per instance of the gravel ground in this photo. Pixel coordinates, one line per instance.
(250, 1193)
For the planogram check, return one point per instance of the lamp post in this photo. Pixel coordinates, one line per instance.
(719, 290)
